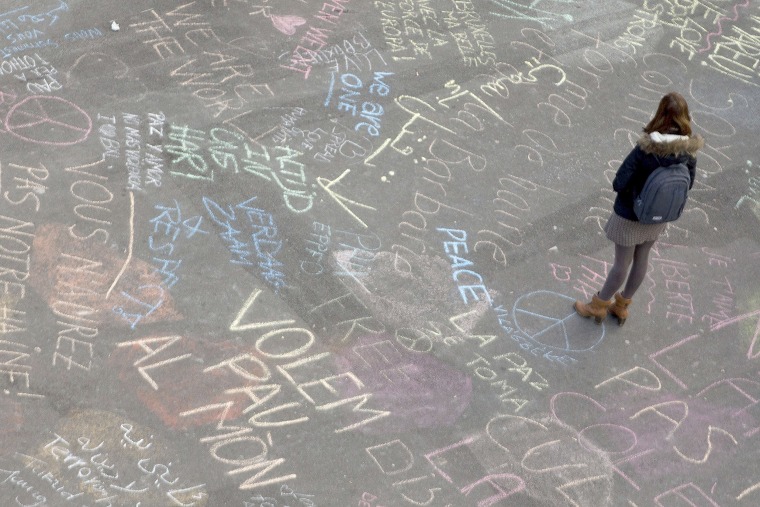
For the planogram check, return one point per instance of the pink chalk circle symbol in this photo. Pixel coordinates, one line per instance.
(48, 120)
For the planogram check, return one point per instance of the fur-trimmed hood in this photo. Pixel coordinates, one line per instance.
(668, 144)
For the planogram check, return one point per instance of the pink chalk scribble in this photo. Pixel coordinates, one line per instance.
(720, 26)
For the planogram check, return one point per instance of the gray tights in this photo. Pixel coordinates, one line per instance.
(624, 255)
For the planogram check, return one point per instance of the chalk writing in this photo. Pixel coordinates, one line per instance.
(413, 29)
(187, 144)
(80, 456)
(132, 150)
(72, 305)
(593, 273)
(19, 184)
(318, 29)
(477, 291)
(134, 307)
(352, 55)
(127, 440)
(536, 11)
(152, 161)
(543, 69)
(92, 198)
(316, 247)
(753, 189)
(324, 144)
(230, 151)
(140, 146)
(475, 43)
(38, 75)
(16, 238)
(288, 347)
(27, 30)
(107, 135)
(511, 206)
(22, 479)
(80, 273)
(723, 300)
(84, 34)
(286, 493)
(342, 141)
(676, 277)
(19, 64)
(423, 338)
(287, 130)
(607, 427)
(370, 112)
(419, 109)
(736, 54)
(163, 41)
(24, 28)
(261, 227)
(482, 369)
(167, 227)
(637, 31)
(420, 487)
(217, 75)
(376, 271)
(707, 31)
(346, 315)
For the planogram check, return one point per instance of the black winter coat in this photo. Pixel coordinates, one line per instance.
(646, 156)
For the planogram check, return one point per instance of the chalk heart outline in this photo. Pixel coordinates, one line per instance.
(287, 24)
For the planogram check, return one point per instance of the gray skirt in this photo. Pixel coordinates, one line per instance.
(624, 232)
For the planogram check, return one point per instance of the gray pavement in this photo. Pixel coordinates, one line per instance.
(304, 253)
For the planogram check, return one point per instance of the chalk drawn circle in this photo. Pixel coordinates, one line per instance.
(48, 120)
(592, 444)
(548, 318)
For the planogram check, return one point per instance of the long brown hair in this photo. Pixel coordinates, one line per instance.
(672, 116)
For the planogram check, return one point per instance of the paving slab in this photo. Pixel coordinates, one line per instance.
(324, 253)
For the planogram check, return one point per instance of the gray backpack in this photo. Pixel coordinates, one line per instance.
(664, 195)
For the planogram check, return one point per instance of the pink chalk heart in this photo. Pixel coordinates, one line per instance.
(287, 24)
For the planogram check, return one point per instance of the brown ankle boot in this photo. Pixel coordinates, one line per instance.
(620, 308)
(597, 308)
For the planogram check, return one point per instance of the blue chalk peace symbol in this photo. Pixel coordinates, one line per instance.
(548, 318)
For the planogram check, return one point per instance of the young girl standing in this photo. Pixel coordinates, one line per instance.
(667, 140)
